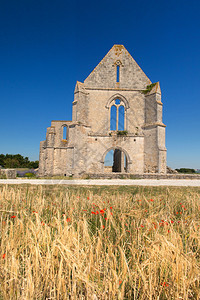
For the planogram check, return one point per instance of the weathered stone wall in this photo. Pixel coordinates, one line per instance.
(99, 103)
(142, 176)
(132, 146)
(53, 151)
(104, 75)
(9, 173)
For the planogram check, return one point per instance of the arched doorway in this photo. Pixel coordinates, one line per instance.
(115, 160)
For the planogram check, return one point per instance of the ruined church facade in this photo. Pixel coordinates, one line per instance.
(116, 110)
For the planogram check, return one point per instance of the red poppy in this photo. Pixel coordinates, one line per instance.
(103, 226)
(111, 207)
(120, 282)
(68, 219)
(165, 284)
(93, 213)
(12, 217)
(4, 255)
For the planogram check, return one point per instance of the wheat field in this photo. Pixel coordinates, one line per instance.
(99, 242)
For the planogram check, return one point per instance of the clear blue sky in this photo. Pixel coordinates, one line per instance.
(46, 45)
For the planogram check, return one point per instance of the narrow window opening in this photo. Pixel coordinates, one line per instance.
(121, 118)
(64, 133)
(117, 73)
(113, 117)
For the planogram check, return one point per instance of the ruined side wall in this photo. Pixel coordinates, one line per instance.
(162, 160)
(80, 152)
(42, 158)
(80, 107)
(150, 150)
(53, 151)
(154, 132)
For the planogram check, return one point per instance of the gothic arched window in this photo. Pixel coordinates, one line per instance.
(117, 115)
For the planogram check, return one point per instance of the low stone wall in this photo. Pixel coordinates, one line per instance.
(142, 176)
(9, 173)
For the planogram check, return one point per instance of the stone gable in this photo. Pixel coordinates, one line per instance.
(104, 75)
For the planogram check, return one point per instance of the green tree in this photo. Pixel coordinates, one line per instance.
(17, 161)
(186, 171)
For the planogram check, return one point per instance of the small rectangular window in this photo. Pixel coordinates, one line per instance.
(117, 77)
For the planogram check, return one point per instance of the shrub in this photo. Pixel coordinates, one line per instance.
(186, 171)
(2, 176)
(29, 175)
(122, 132)
(148, 88)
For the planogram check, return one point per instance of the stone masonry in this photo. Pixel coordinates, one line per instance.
(116, 88)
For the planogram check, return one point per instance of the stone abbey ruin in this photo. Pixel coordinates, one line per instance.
(116, 124)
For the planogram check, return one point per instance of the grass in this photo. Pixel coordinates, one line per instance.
(99, 242)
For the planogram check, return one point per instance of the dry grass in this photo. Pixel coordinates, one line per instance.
(99, 243)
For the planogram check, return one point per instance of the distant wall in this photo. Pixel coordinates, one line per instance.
(10, 173)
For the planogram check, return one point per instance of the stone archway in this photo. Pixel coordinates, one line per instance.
(116, 160)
